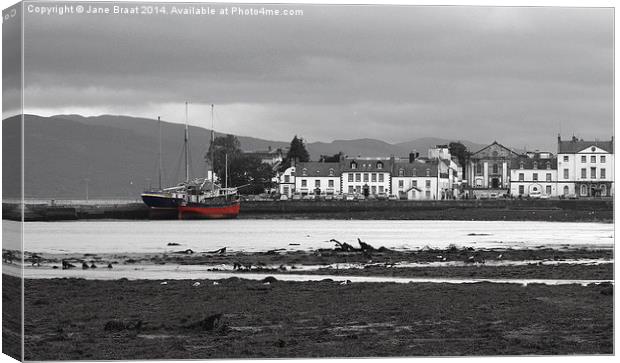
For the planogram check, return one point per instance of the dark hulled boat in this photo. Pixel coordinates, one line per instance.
(194, 199)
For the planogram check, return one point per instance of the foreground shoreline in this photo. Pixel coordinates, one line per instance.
(257, 314)
(238, 318)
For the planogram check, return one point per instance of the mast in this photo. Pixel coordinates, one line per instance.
(186, 146)
(159, 172)
(226, 168)
(212, 147)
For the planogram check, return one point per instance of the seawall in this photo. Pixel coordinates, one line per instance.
(543, 210)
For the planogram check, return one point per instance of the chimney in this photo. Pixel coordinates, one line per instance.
(269, 148)
(412, 156)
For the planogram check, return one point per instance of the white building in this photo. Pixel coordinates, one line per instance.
(585, 168)
(311, 178)
(417, 180)
(367, 175)
(534, 174)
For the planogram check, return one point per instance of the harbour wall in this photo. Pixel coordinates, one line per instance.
(547, 210)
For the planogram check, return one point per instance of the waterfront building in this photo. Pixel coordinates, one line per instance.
(585, 168)
(416, 179)
(311, 178)
(488, 170)
(534, 174)
(367, 175)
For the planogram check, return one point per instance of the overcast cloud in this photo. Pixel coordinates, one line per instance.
(515, 75)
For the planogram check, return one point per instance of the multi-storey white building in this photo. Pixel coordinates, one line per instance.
(535, 174)
(417, 180)
(311, 178)
(367, 175)
(585, 168)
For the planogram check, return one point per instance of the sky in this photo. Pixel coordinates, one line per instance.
(518, 75)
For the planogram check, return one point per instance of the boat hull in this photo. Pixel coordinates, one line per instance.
(198, 211)
(161, 201)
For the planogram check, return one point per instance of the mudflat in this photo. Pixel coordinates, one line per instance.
(238, 318)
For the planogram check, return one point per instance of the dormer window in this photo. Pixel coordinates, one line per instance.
(379, 165)
(535, 165)
(401, 172)
(415, 173)
(548, 165)
(331, 172)
(521, 165)
(353, 165)
(304, 171)
(428, 172)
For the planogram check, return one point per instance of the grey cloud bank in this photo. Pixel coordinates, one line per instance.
(516, 75)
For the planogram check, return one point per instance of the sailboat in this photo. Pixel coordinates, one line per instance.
(195, 198)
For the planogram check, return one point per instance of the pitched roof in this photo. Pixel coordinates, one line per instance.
(367, 164)
(528, 163)
(575, 145)
(315, 168)
(497, 144)
(416, 168)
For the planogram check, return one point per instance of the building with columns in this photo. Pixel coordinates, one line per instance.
(488, 169)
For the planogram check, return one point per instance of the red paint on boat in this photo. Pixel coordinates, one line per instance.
(219, 212)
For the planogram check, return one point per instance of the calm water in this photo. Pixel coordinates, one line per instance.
(261, 235)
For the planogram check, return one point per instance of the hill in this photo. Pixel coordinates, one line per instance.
(117, 156)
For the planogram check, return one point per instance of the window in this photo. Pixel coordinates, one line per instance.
(331, 172)
(373, 189)
(358, 177)
(521, 165)
(287, 178)
(381, 177)
(583, 159)
(548, 177)
(535, 165)
(565, 173)
(566, 158)
(350, 189)
(304, 171)
(379, 165)
(285, 190)
(593, 159)
(593, 173)
(330, 183)
(381, 189)
(548, 165)
(365, 177)
(584, 191)
(353, 165)
(521, 177)
(304, 183)
(548, 190)
(603, 173)
(535, 176)
(374, 177)
(350, 177)
(428, 183)
(414, 183)
(401, 172)
(602, 158)
(603, 190)
(317, 183)
(401, 184)
(583, 173)
(566, 190)
(428, 172)
(495, 169)
(521, 189)
(428, 194)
